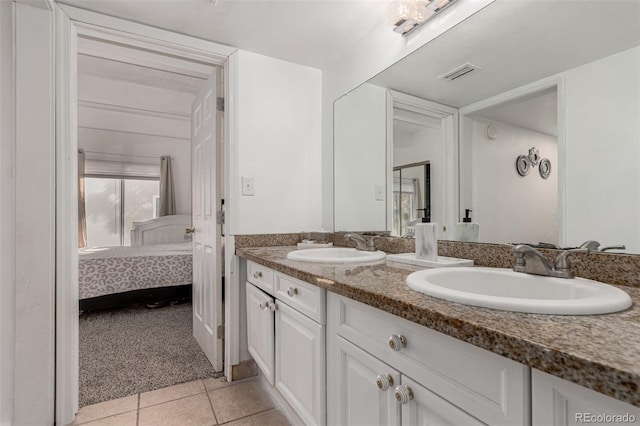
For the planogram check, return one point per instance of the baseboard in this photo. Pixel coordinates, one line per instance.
(244, 369)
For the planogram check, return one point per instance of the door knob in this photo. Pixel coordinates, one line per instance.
(190, 231)
(397, 342)
(384, 381)
(403, 394)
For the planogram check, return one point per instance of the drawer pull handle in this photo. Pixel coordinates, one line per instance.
(384, 381)
(263, 305)
(403, 394)
(273, 306)
(257, 274)
(292, 291)
(397, 342)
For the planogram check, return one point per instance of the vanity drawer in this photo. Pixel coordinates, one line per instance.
(261, 276)
(306, 298)
(488, 386)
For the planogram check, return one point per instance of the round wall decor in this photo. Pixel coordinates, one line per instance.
(523, 166)
(545, 168)
(492, 132)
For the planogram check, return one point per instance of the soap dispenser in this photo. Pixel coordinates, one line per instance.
(426, 238)
(466, 230)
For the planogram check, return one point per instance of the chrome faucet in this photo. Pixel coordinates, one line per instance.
(594, 245)
(618, 247)
(591, 245)
(531, 261)
(361, 242)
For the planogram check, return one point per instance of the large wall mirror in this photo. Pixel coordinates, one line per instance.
(528, 115)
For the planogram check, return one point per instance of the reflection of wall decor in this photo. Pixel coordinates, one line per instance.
(525, 162)
(522, 165)
(545, 168)
(492, 132)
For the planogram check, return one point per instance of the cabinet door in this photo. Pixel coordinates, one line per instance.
(557, 402)
(358, 400)
(300, 363)
(424, 407)
(260, 330)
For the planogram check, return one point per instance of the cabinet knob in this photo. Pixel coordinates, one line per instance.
(273, 306)
(190, 231)
(384, 381)
(403, 394)
(257, 274)
(263, 305)
(397, 342)
(292, 291)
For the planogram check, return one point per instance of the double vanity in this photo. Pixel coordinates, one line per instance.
(347, 341)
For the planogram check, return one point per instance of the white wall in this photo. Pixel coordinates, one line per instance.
(360, 160)
(35, 216)
(418, 146)
(377, 50)
(603, 151)
(136, 122)
(511, 208)
(7, 220)
(276, 139)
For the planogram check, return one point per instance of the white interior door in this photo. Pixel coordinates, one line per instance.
(207, 279)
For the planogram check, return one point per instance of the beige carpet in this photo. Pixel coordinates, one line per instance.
(133, 350)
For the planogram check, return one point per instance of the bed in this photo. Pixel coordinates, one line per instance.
(156, 267)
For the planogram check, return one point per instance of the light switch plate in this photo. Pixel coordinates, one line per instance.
(379, 192)
(248, 185)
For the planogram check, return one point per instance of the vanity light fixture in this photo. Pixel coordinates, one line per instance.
(407, 15)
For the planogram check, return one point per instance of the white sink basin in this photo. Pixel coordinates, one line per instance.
(514, 291)
(336, 255)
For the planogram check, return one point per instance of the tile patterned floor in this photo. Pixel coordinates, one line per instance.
(200, 403)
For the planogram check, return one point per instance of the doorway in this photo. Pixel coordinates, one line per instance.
(156, 49)
(131, 117)
(512, 149)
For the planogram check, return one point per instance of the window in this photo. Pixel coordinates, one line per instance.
(113, 204)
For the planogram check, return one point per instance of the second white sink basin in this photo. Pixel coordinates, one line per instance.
(336, 255)
(514, 291)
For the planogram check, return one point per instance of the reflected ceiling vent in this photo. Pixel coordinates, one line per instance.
(460, 71)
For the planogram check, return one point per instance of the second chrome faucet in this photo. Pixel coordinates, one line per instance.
(361, 242)
(531, 261)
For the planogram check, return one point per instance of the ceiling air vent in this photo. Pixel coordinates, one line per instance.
(460, 71)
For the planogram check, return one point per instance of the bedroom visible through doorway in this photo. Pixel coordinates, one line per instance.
(130, 115)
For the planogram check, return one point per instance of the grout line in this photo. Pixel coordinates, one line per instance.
(249, 415)
(138, 412)
(105, 417)
(234, 383)
(215, 418)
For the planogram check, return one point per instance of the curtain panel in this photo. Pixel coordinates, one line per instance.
(167, 196)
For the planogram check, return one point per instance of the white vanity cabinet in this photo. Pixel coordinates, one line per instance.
(437, 379)
(260, 330)
(361, 387)
(286, 338)
(558, 402)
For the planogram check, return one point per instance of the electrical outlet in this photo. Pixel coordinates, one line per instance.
(248, 185)
(379, 192)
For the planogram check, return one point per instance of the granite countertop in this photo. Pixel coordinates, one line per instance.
(600, 352)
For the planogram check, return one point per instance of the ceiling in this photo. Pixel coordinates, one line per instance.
(515, 42)
(307, 32)
(114, 70)
(538, 113)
